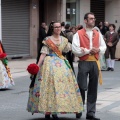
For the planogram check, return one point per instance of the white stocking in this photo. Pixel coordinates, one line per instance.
(108, 62)
(112, 63)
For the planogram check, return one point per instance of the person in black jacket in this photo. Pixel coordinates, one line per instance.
(105, 28)
(111, 39)
(42, 35)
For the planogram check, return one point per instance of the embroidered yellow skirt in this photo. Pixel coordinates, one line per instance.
(55, 89)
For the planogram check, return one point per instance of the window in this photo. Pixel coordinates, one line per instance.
(71, 12)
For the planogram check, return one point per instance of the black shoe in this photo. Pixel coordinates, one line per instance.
(92, 118)
(112, 69)
(78, 115)
(55, 117)
(47, 117)
(108, 69)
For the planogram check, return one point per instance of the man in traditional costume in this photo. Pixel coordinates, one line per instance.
(87, 44)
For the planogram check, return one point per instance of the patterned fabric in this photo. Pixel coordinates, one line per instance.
(5, 81)
(55, 89)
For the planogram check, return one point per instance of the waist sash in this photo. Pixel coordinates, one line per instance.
(92, 58)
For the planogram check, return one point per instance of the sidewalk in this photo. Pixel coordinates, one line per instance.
(18, 67)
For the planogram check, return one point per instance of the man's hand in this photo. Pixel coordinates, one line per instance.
(94, 50)
(109, 44)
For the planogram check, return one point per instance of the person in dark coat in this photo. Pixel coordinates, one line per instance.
(42, 35)
(105, 28)
(100, 26)
(111, 39)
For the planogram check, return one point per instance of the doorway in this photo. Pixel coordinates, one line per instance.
(71, 12)
(42, 11)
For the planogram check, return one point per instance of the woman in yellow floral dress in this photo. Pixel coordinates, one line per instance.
(55, 89)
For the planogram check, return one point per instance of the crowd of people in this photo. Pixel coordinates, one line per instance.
(55, 88)
(108, 31)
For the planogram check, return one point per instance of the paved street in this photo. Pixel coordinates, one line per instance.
(13, 101)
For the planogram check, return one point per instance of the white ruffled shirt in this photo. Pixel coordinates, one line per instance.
(80, 51)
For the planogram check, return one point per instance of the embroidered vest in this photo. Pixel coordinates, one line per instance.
(85, 42)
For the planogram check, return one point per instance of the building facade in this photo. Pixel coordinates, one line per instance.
(105, 10)
(20, 19)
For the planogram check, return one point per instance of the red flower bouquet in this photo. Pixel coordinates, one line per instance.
(3, 55)
(33, 69)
